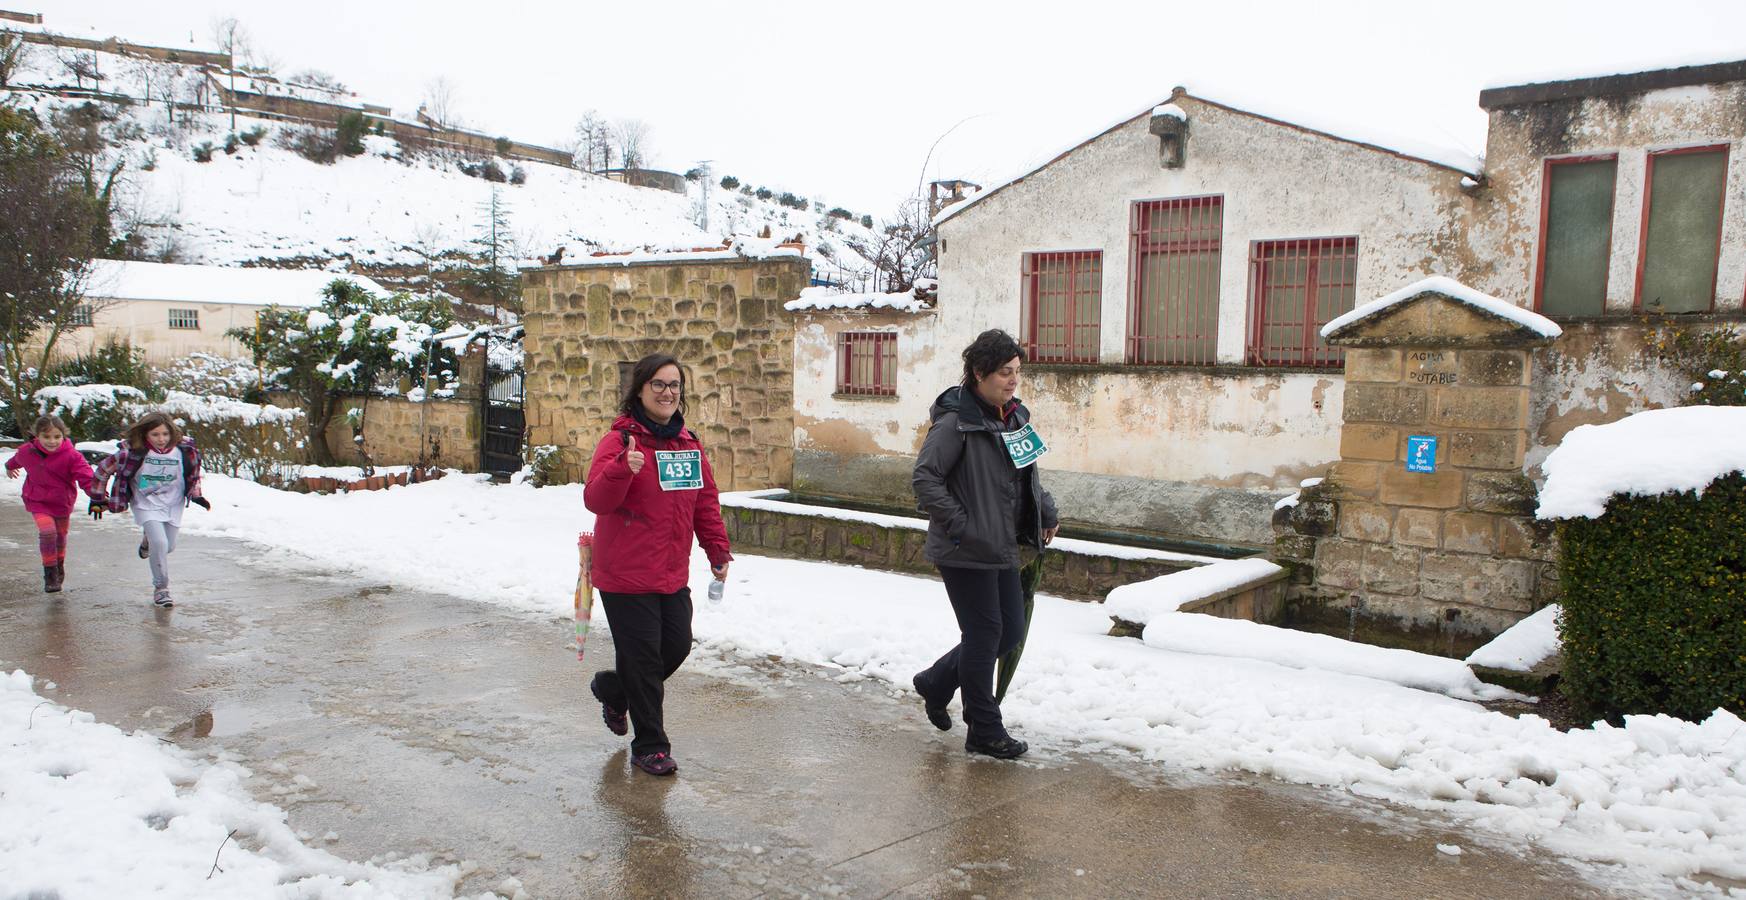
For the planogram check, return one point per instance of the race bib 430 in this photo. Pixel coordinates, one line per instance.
(1025, 446)
(679, 470)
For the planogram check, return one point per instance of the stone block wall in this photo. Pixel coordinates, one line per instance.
(723, 319)
(1076, 576)
(395, 428)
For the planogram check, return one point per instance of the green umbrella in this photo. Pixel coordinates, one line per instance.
(1029, 577)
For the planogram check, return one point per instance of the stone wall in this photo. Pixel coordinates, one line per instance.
(723, 319)
(1456, 548)
(1077, 576)
(394, 429)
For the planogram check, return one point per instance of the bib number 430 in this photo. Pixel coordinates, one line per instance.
(1025, 445)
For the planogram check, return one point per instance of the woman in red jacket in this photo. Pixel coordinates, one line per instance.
(651, 489)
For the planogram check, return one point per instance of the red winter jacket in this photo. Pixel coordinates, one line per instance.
(642, 534)
(50, 477)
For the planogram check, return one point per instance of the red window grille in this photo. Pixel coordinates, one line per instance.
(1062, 313)
(1173, 313)
(1296, 287)
(867, 363)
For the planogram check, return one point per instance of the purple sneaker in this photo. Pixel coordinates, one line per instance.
(612, 715)
(655, 763)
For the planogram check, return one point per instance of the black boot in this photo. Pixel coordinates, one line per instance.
(1004, 747)
(61, 573)
(51, 580)
(936, 714)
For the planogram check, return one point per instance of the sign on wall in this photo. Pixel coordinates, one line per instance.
(1421, 453)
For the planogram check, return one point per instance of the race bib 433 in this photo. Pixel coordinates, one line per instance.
(1025, 446)
(679, 470)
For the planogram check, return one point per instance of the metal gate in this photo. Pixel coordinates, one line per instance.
(505, 423)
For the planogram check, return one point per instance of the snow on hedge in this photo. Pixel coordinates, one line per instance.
(1142, 601)
(1454, 290)
(198, 408)
(92, 811)
(1652, 452)
(1523, 645)
(69, 399)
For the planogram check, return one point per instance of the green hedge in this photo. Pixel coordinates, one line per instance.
(1655, 604)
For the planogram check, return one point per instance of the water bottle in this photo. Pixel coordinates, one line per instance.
(716, 587)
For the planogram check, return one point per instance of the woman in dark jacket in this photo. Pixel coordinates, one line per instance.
(651, 490)
(977, 480)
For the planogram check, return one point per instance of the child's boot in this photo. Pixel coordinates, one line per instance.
(61, 573)
(51, 579)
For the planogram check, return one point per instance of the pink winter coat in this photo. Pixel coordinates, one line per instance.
(49, 485)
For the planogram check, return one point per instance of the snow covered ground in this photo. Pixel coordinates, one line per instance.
(165, 821)
(1663, 796)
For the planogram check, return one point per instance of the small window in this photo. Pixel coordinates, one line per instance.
(81, 317)
(1682, 229)
(1063, 306)
(185, 318)
(867, 363)
(1296, 287)
(1173, 312)
(1576, 235)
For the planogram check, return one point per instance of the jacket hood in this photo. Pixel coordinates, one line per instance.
(972, 415)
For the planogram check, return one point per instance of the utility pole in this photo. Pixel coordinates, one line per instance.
(706, 177)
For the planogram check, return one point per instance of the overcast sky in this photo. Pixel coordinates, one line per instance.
(842, 101)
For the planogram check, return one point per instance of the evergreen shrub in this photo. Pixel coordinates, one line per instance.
(1654, 616)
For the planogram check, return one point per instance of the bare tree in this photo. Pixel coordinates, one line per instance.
(593, 142)
(632, 138)
(14, 53)
(316, 78)
(439, 102)
(901, 250)
(233, 40)
(83, 67)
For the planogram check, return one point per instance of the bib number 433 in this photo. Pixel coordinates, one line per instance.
(679, 470)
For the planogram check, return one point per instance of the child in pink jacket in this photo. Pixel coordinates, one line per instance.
(54, 468)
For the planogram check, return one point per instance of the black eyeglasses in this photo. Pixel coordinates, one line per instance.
(662, 387)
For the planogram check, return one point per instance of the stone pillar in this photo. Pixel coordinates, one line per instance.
(1428, 518)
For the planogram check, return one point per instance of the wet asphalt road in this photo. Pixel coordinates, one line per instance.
(419, 723)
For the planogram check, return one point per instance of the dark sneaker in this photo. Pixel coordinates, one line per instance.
(612, 715)
(161, 599)
(655, 763)
(51, 580)
(145, 549)
(936, 714)
(1004, 747)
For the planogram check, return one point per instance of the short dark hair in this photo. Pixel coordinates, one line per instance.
(54, 422)
(641, 374)
(991, 350)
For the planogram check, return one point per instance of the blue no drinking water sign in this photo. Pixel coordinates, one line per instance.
(1421, 453)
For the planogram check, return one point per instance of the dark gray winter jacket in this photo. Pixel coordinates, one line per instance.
(980, 507)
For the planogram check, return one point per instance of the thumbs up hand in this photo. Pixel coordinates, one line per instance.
(633, 457)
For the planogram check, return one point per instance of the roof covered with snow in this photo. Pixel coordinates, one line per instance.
(1454, 290)
(1652, 452)
(1316, 122)
(824, 298)
(1541, 86)
(114, 279)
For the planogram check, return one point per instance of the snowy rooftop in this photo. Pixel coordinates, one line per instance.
(1364, 134)
(821, 298)
(125, 280)
(1454, 290)
(734, 248)
(1649, 453)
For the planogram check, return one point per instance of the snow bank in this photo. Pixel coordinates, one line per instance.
(1195, 633)
(126, 280)
(1524, 645)
(1143, 601)
(829, 298)
(1454, 290)
(95, 812)
(198, 408)
(1648, 453)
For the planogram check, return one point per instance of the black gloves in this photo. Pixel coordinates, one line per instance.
(96, 509)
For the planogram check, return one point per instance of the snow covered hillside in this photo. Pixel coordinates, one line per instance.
(382, 208)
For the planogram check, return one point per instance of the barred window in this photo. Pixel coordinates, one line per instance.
(185, 318)
(1296, 287)
(1173, 312)
(867, 363)
(1062, 311)
(81, 317)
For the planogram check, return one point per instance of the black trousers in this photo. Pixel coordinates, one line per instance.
(990, 606)
(651, 636)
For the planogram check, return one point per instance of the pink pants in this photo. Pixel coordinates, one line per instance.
(51, 538)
